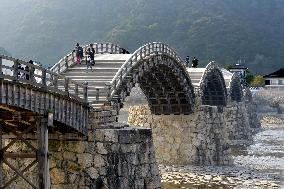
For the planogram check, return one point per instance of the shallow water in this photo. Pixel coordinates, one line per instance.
(261, 165)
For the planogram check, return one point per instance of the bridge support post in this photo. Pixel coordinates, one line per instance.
(43, 164)
(1, 73)
(1, 158)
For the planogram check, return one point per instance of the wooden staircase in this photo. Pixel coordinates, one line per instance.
(104, 70)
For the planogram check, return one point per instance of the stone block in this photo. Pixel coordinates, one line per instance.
(100, 148)
(92, 172)
(110, 135)
(70, 156)
(85, 160)
(57, 176)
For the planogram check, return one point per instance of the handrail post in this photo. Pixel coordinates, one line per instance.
(97, 49)
(76, 89)
(66, 62)
(114, 84)
(112, 51)
(1, 73)
(107, 48)
(58, 68)
(102, 48)
(86, 92)
(43, 79)
(73, 57)
(97, 94)
(66, 86)
(108, 91)
(55, 79)
(16, 70)
(121, 75)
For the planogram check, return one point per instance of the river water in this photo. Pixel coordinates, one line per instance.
(260, 165)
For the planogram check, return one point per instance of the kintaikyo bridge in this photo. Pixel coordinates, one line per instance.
(58, 127)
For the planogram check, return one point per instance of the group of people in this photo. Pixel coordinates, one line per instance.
(89, 54)
(194, 62)
(25, 72)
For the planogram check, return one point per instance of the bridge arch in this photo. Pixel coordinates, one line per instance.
(235, 88)
(162, 76)
(212, 87)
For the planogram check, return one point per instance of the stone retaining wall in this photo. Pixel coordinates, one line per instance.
(199, 138)
(115, 155)
(122, 157)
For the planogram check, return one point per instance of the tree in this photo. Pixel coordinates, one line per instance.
(258, 81)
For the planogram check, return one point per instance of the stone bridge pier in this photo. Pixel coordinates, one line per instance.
(199, 138)
(237, 123)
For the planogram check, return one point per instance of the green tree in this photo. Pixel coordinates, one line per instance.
(258, 81)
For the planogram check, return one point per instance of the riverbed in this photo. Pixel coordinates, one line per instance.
(260, 165)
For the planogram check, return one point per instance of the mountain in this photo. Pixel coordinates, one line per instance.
(221, 30)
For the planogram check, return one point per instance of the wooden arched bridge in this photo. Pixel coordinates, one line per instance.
(35, 100)
(169, 86)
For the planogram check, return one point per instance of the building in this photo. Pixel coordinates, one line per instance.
(241, 70)
(275, 79)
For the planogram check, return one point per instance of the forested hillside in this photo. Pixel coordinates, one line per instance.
(221, 30)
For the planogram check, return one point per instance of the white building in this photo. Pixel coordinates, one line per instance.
(275, 79)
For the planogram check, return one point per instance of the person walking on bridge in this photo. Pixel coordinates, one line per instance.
(89, 59)
(78, 52)
(187, 59)
(92, 54)
(194, 62)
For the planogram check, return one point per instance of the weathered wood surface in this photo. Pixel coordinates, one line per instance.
(105, 68)
(1, 157)
(17, 70)
(42, 93)
(100, 48)
(43, 164)
(7, 153)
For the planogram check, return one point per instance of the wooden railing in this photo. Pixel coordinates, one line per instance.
(154, 48)
(18, 70)
(70, 59)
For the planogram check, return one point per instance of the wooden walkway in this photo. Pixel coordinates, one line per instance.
(33, 103)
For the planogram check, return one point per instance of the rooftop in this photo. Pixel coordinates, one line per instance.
(238, 66)
(278, 73)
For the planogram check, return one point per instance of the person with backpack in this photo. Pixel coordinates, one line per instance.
(79, 53)
(92, 54)
(194, 62)
(89, 60)
(187, 61)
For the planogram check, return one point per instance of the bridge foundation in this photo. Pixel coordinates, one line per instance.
(19, 155)
(237, 123)
(200, 138)
(113, 155)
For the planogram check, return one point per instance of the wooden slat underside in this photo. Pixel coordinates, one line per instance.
(67, 111)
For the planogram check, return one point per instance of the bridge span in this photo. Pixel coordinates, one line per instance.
(37, 104)
(169, 86)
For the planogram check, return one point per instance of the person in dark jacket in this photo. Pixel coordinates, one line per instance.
(89, 60)
(194, 62)
(78, 52)
(187, 59)
(92, 54)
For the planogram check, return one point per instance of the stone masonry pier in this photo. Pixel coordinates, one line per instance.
(200, 138)
(113, 155)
